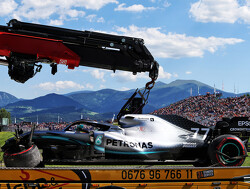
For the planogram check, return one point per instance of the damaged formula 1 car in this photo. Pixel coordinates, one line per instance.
(139, 138)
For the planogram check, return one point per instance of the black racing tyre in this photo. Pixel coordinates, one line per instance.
(30, 157)
(227, 150)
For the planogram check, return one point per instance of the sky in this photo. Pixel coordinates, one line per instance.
(203, 40)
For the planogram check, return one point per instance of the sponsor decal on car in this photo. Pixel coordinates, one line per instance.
(244, 123)
(98, 140)
(121, 143)
(240, 129)
(189, 145)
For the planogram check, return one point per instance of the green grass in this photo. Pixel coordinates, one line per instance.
(3, 137)
(247, 160)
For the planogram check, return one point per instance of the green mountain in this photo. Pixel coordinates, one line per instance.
(6, 98)
(162, 95)
(106, 100)
(102, 104)
(166, 94)
(51, 105)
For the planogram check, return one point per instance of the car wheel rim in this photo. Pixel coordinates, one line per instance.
(231, 150)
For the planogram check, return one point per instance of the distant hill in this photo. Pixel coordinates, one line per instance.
(47, 101)
(106, 100)
(51, 104)
(104, 103)
(76, 92)
(163, 94)
(6, 98)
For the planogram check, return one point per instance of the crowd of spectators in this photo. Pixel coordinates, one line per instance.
(26, 126)
(52, 126)
(208, 109)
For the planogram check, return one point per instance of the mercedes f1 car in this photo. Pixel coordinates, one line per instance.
(139, 138)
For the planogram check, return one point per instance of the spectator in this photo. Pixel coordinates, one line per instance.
(208, 109)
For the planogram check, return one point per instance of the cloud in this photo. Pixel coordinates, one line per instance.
(48, 9)
(166, 4)
(85, 70)
(94, 18)
(102, 87)
(124, 89)
(163, 3)
(91, 17)
(123, 76)
(133, 8)
(172, 45)
(8, 6)
(60, 85)
(95, 72)
(89, 86)
(95, 4)
(227, 11)
(98, 74)
(163, 74)
(188, 72)
(56, 22)
(100, 20)
(175, 75)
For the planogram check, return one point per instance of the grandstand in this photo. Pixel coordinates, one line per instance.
(208, 109)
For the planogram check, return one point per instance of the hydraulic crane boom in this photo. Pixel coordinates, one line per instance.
(26, 44)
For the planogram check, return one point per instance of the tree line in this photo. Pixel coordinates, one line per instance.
(5, 114)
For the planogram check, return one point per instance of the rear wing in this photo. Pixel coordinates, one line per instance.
(238, 126)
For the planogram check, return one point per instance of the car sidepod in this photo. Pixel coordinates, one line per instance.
(149, 137)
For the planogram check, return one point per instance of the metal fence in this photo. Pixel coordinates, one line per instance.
(24, 128)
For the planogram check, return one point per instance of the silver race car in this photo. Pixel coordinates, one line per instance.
(139, 139)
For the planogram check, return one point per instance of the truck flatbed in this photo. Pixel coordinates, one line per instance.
(118, 177)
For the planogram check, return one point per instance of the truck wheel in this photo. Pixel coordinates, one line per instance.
(27, 158)
(227, 150)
